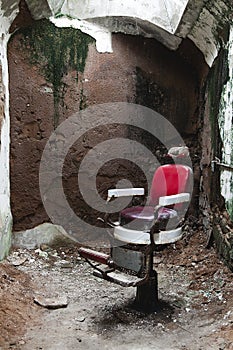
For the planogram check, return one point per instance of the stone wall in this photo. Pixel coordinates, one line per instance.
(5, 212)
(139, 71)
(223, 237)
(5, 215)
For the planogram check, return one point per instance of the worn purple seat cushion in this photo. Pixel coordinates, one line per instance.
(138, 212)
(141, 218)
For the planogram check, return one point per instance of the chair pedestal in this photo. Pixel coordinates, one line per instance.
(147, 295)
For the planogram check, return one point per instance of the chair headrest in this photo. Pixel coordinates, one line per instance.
(178, 152)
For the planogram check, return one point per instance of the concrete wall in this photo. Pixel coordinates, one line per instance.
(153, 76)
(5, 212)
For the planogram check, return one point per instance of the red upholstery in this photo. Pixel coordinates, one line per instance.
(169, 179)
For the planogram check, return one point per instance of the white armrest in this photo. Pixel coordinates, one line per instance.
(174, 199)
(124, 192)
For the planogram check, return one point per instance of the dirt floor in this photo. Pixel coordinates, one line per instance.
(195, 290)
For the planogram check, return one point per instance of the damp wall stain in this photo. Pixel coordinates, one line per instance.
(55, 51)
(139, 71)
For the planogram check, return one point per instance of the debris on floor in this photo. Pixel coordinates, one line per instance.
(82, 312)
(51, 302)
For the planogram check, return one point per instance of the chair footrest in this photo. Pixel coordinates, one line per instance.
(94, 255)
(117, 277)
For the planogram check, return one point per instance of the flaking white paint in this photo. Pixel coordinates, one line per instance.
(5, 212)
(163, 13)
(102, 35)
(226, 130)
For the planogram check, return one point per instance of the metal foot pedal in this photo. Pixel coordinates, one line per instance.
(98, 257)
(117, 277)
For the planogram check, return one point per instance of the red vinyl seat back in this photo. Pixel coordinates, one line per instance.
(168, 180)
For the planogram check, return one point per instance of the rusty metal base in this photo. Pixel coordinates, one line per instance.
(147, 295)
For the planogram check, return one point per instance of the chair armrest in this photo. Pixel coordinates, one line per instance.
(174, 199)
(124, 192)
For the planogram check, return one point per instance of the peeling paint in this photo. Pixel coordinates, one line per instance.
(163, 13)
(226, 131)
(102, 35)
(165, 20)
(99, 19)
(205, 33)
(5, 212)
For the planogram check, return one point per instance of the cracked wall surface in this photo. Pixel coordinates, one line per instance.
(120, 76)
(167, 21)
(7, 14)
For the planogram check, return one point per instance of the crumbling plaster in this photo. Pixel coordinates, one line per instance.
(165, 14)
(5, 212)
(166, 20)
(169, 21)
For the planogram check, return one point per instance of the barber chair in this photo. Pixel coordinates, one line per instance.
(140, 230)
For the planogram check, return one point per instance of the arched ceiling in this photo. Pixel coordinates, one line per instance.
(169, 21)
(163, 13)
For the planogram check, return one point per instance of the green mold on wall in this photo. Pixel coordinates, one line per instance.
(217, 79)
(56, 50)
